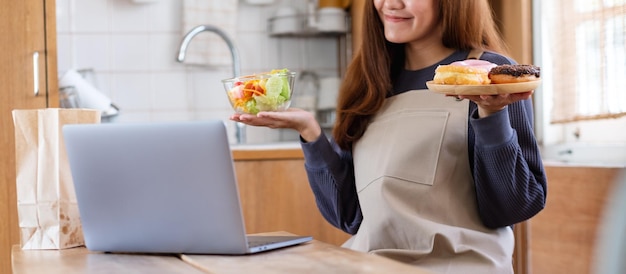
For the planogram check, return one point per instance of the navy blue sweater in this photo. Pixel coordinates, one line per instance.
(508, 173)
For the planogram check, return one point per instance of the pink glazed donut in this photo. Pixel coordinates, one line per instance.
(466, 72)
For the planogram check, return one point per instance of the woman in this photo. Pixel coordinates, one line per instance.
(419, 177)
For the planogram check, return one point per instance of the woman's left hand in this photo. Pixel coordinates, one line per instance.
(489, 104)
(300, 120)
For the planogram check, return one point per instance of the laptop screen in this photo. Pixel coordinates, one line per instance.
(156, 187)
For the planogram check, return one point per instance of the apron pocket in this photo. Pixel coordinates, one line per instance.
(403, 145)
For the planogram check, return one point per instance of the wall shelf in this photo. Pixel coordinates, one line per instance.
(306, 25)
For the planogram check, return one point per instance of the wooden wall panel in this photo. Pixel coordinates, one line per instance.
(514, 19)
(356, 14)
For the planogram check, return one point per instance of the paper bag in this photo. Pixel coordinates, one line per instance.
(46, 202)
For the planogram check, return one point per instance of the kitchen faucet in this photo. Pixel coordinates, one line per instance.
(240, 127)
(202, 28)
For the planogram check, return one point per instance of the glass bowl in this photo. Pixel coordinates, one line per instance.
(270, 91)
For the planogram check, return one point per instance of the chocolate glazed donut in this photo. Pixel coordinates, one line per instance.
(503, 74)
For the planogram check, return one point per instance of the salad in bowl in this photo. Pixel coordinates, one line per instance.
(271, 91)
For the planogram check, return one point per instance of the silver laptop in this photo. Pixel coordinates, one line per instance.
(160, 188)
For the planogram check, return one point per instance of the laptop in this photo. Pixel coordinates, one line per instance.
(166, 187)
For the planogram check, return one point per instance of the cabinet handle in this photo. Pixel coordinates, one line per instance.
(36, 72)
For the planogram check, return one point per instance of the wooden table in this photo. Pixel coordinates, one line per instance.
(311, 257)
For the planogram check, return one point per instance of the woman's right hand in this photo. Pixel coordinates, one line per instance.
(300, 120)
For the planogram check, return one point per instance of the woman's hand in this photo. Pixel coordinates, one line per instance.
(490, 104)
(300, 120)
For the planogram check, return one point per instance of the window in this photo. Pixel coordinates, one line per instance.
(581, 48)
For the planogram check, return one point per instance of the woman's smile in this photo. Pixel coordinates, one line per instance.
(407, 21)
(395, 18)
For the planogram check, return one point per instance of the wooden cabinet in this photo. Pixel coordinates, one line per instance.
(275, 195)
(28, 79)
(563, 237)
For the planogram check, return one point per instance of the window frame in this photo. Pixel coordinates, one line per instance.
(592, 140)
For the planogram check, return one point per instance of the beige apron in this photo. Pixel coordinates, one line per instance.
(417, 193)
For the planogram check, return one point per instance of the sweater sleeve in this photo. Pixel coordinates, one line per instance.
(507, 168)
(331, 176)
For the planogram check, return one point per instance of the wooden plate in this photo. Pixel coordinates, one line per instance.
(492, 89)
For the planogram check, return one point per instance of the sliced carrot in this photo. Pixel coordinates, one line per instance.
(252, 92)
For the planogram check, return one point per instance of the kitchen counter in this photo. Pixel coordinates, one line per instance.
(281, 150)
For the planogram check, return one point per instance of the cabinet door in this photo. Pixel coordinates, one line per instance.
(27, 74)
(276, 196)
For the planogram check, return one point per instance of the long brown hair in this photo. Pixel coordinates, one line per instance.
(466, 24)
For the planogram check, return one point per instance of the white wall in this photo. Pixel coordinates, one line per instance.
(132, 49)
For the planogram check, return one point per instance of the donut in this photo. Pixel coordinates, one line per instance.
(504, 74)
(466, 72)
